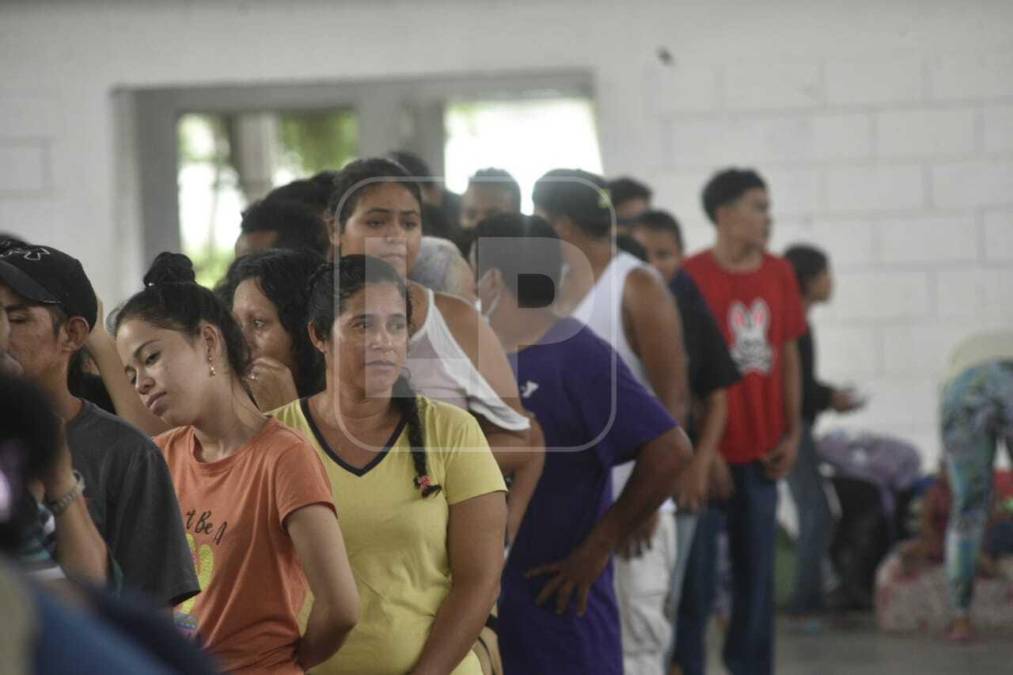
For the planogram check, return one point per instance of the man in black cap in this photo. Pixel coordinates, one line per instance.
(52, 308)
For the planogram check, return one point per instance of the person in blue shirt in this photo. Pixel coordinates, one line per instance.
(558, 611)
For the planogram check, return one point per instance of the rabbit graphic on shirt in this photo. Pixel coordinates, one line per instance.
(751, 349)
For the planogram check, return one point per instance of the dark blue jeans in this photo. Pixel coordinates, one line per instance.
(750, 516)
(815, 526)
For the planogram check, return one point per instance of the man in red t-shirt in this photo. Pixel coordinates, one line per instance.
(755, 298)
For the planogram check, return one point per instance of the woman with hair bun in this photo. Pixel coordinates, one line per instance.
(419, 493)
(255, 501)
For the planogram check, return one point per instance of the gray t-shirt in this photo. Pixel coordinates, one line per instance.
(131, 499)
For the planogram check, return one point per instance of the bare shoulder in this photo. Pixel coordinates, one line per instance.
(644, 287)
(463, 320)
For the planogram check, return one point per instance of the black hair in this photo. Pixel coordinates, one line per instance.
(580, 196)
(415, 165)
(29, 447)
(726, 186)
(283, 276)
(809, 263)
(172, 299)
(298, 227)
(498, 179)
(625, 189)
(313, 192)
(362, 174)
(527, 253)
(331, 287)
(661, 221)
(626, 243)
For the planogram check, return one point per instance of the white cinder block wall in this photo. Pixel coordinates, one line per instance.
(885, 129)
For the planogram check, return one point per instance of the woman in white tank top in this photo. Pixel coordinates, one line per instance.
(453, 355)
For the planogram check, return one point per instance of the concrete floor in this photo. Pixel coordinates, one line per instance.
(858, 648)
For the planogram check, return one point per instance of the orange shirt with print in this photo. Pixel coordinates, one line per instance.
(234, 510)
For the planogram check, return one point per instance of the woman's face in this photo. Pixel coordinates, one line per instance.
(386, 224)
(263, 330)
(169, 370)
(369, 340)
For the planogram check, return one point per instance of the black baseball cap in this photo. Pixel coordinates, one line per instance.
(48, 276)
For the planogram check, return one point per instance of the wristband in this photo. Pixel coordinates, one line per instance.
(58, 506)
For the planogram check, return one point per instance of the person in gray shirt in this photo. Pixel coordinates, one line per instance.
(52, 307)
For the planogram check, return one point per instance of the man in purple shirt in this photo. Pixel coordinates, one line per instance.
(557, 611)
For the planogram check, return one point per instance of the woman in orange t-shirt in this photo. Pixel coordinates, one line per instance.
(255, 499)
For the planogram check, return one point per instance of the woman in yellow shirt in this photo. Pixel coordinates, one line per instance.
(419, 495)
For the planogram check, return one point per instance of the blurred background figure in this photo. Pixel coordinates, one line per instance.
(280, 223)
(630, 199)
(815, 521)
(977, 413)
(490, 191)
(441, 267)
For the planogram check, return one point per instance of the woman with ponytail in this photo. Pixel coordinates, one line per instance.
(419, 494)
(258, 512)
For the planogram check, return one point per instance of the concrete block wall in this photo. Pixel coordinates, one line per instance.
(902, 169)
(885, 130)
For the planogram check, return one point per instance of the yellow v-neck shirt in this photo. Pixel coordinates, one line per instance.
(396, 539)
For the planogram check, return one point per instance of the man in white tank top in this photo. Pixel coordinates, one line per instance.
(626, 303)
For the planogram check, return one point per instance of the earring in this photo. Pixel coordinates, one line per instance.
(211, 367)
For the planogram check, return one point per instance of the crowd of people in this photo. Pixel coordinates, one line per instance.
(507, 446)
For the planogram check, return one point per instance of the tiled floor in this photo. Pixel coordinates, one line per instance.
(856, 647)
(860, 649)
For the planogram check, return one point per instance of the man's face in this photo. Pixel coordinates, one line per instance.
(748, 218)
(251, 242)
(33, 344)
(8, 366)
(631, 208)
(481, 201)
(663, 250)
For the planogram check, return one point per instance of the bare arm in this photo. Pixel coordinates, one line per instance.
(318, 542)
(782, 458)
(128, 404)
(654, 329)
(80, 549)
(526, 467)
(486, 353)
(475, 545)
(792, 389)
(654, 478)
(694, 483)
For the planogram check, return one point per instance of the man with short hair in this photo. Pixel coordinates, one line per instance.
(594, 415)
(711, 372)
(630, 198)
(627, 305)
(52, 307)
(490, 191)
(755, 298)
(280, 223)
(434, 191)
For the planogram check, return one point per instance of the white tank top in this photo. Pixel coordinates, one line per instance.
(441, 370)
(602, 310)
